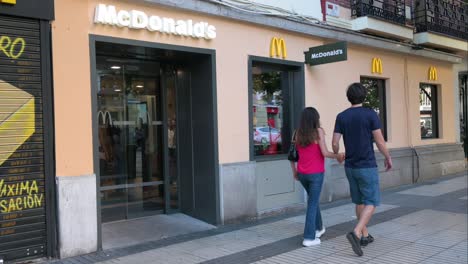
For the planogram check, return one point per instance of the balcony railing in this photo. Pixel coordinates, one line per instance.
(389, 10)
(449, 17)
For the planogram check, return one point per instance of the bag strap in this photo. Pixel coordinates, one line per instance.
(293, 138)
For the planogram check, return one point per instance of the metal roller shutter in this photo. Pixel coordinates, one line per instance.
(22, 178)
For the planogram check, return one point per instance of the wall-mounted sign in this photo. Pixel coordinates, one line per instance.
(377, 66)
(11, 2)
(278, 48)
(327, 53)
(134, 19)
(333, 9)
(433, 74)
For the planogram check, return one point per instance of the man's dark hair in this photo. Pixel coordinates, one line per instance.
(356, 93)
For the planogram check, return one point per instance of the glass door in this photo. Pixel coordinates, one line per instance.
(169, 84)
(131, 133)
(145, 158)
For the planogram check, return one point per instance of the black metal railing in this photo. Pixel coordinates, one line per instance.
(389, 10)
(449, 17)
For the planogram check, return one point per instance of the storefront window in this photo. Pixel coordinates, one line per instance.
(376, 99)
(271, 86)
(428, 119)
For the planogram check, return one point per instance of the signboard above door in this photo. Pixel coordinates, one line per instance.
(327, 53)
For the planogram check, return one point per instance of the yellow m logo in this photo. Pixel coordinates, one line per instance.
(13, 2)
(432, 74)
(377, 66)
(278, 48)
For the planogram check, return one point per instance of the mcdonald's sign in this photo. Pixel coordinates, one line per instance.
(432, 74)
(377, 66)
(278, 48)
(12, 2)
(105, 116)
(327, 53)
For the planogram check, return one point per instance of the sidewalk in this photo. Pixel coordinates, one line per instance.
(424, 223)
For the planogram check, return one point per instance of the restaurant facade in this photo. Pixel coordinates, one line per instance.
(160, 108)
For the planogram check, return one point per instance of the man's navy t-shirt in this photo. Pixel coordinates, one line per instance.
(356, 125)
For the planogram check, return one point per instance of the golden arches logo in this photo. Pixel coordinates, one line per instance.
(377, 66)
(432, 74)
(278, 48)
(104, 117)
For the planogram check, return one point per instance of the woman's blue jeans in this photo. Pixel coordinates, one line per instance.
(313, 185)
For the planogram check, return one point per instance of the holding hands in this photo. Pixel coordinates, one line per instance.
(340, 157)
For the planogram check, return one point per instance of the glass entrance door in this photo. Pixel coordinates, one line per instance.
(136, 131)
(169, 84)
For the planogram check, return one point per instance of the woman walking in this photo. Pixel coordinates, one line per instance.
(310, 144)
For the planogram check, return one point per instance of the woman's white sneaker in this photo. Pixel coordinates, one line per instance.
(319, 233)
(310, 242)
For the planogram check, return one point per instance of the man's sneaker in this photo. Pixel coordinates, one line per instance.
(366, 240)
(319, 233)
(310, 242)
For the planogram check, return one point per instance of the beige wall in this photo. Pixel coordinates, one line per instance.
(72, 95)
(325, 85)
(330, 81)
(418, 68)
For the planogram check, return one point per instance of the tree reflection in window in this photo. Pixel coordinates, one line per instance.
(376, 99)
(268, 111)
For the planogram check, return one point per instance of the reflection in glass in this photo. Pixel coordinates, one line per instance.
(130, 135)
(267, 112)
(428, 111)
(376, 100)
(172, 137)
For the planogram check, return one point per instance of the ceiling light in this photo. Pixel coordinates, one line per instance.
(117, 90)
(139, 86)
(115, 67)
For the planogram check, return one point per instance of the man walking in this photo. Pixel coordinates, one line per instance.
(359, 127)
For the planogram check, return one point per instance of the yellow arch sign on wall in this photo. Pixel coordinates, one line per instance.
(17, 119)
(278, 48)
(377, 66)
(432, 74)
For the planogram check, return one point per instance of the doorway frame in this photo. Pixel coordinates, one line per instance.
(93, 39)
(464, 108)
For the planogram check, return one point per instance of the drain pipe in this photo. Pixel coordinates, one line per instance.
(417, 166)
(409, 131)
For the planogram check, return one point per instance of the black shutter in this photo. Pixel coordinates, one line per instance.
(22, 178)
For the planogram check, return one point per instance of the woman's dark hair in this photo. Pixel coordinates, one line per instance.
(356, 93)
(309, 124)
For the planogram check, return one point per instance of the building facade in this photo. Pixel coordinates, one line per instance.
(183, 110)
(161, 107)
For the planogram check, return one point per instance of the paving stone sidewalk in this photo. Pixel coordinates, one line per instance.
(424, 223)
